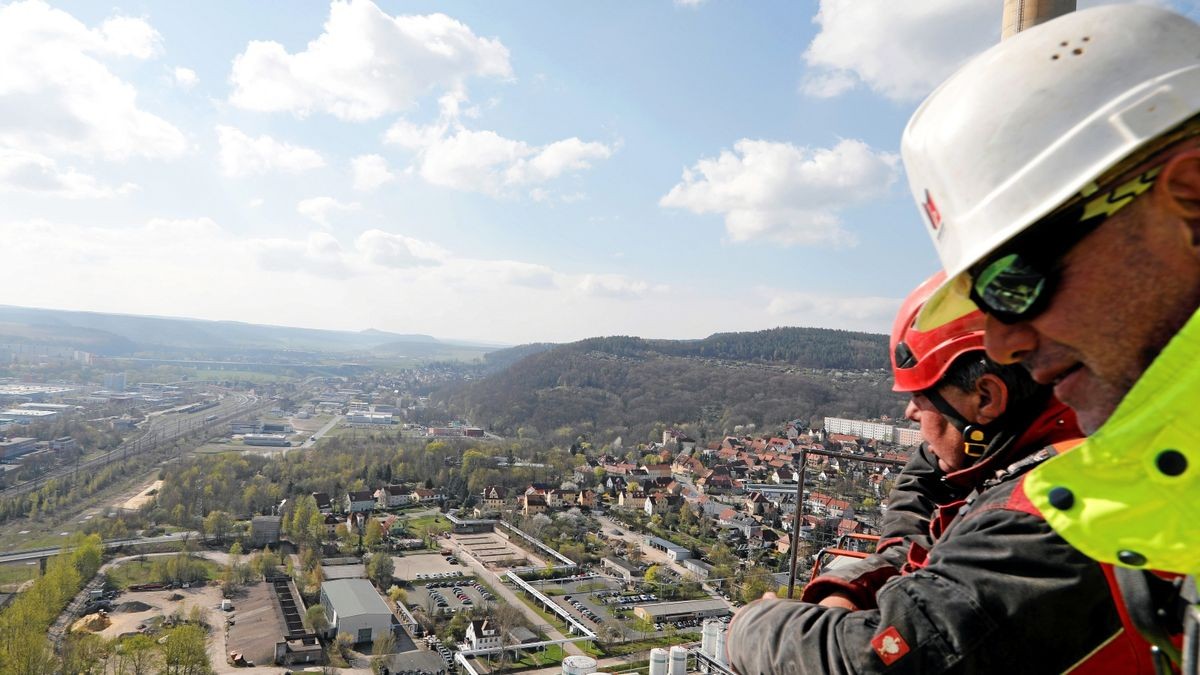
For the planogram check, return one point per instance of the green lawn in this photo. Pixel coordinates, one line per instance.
(552, 655)
(434, 523)
(15, 575)
(625, 648)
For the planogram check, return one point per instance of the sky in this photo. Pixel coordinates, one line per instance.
(504, 172)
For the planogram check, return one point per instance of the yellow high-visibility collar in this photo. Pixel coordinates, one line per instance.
(1130, 495)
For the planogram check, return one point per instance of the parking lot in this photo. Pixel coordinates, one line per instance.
(425, 565)
(448, 596)
(601, 601)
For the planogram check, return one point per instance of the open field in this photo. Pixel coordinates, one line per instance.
(12, 576)
(136, 572)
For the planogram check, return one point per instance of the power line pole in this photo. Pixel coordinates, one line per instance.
(1020, 15)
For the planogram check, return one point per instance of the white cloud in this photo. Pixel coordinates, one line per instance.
(318, 209)
(615, 286)
(184, 78)
(871, 313)
(33, 173)
(365, 64)
(785, 193)
(901, 50)
(257, 202)
(370, 172)
(242, 155)
(58, 98)
(127, 36)
(453, 156)
(320, 254)
(689, 3)
(396, 250)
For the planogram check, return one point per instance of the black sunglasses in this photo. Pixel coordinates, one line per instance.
(1017, 281)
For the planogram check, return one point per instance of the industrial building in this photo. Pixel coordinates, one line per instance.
(366, 417)
(24, 416)
(278, 440)
(352, 606)
(11, 448)
(674, 551)
(264, 530)
(622, 568)
(685, 609)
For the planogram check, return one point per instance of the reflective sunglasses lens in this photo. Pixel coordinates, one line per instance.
(1009, 285)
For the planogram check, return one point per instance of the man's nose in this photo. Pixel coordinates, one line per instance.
(1009, 343)
(910, 411)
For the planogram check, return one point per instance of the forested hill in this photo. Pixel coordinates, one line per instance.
(629, 386)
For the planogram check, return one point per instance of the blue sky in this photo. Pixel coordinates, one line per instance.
(499, 171)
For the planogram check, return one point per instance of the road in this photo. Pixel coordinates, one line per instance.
(312, 440)
(503, 591)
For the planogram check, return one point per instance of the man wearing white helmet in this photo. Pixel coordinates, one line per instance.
(1059, 177)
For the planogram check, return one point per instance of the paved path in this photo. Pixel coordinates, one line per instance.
(497, 583)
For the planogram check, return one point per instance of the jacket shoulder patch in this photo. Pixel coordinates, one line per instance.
(889, 646)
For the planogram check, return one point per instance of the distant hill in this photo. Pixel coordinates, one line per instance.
(124, 335)
(611, 384)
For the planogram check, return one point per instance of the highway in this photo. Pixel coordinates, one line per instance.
(39, 553)
(158, 429)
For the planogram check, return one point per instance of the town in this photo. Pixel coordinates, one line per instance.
(339, 520)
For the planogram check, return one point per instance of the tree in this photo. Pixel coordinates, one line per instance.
(138, 655)
(299, 524)
(398, 595)
(652, 574)
(184, 652)
(315, 619)
(374, 534)
(86, 654)
(379, 569)
(217, 525)
(643, 626)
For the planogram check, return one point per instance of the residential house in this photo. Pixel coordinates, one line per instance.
(483, 634)
(324, 503)
(587, 499)
(391, 496)
(534, 504)
(426, 496)
(631, 500)
(360, 501)
(331, 523)
(661, 503)
(495, 498)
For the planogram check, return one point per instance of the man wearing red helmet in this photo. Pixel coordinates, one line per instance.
(965, 568)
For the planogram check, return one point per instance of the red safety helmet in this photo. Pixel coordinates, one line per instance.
(920, 358)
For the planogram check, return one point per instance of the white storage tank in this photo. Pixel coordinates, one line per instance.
(708, 641)
(721, 656)
(578, 665)
(658, 661)
(678, 660)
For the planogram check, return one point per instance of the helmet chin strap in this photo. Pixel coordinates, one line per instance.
(980, 440)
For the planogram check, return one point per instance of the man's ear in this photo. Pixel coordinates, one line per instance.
(993, 397)
(1179, 190)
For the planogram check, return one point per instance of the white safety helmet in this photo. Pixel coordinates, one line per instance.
(1032, 122)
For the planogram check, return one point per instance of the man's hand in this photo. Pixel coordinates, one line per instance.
(838, 600)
